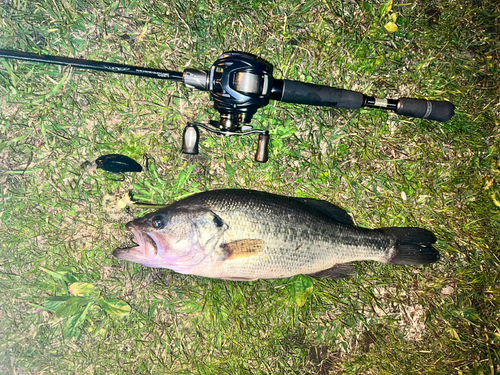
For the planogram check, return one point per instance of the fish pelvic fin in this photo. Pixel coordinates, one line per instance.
(242, 249)
(337, 272)
(411, 246)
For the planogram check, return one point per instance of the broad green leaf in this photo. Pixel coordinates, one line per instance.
(115, 307)
(472, 315)
(184, 175)
(300, 289)
(115, 5)
(391, 27)
(63, 270)
(70, 278)
(57, 275)
(83, 315)
(368, 7)
(81, 289)
(190, 308)
(70, 307)
(53, 303)
(70, 326)
(386, 8)
(62, 273)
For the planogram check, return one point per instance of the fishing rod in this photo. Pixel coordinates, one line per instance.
(240, 84)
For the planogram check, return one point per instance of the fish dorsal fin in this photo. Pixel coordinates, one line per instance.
(333, 212)
(242, 249)
(338, 271)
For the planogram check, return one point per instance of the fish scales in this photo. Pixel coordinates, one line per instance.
(298, 240)
(247, 235)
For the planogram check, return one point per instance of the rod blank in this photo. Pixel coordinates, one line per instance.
(93, 65)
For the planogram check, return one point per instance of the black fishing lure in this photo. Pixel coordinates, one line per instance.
(116, 163)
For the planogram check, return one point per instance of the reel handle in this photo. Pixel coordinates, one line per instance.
(190, 139)
(261, 155)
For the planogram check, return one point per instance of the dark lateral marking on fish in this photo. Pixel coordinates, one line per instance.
(242, 248)
(338, 271)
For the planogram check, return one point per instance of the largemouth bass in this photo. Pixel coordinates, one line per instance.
(249, 235)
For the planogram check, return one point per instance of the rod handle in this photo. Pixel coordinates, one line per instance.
(440, 111)
(324, 96)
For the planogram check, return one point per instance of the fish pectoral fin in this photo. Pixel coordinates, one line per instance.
(242, 248)
(338, 271)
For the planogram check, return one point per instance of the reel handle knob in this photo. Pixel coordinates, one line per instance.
(261, 155)
(190, 139)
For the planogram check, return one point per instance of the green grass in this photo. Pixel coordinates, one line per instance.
(384, 169)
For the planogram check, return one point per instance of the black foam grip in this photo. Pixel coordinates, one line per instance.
(324, 96)
(428, 109)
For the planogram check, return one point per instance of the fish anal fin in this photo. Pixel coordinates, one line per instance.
(338, 271)
(238, 278)
(242, 248)
(326, 208)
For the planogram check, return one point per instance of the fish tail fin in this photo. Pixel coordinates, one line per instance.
(411, 246)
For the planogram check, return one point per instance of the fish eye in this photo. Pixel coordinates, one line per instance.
(157, 222)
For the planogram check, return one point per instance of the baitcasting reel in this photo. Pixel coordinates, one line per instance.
(241, 83)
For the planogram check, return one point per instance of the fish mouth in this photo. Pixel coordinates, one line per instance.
(147, 245)
(154, 249)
